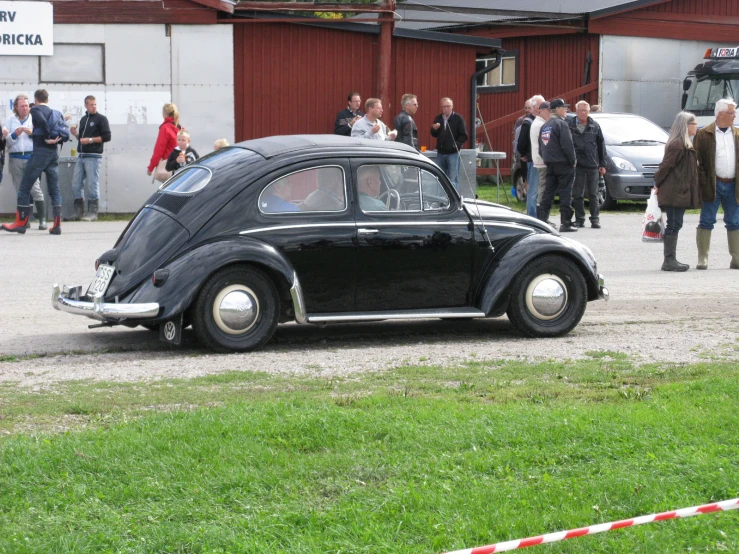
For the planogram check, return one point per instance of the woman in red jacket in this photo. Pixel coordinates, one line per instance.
(167, 139)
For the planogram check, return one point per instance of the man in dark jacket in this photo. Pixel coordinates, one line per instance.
(590, 149)
(94, 130)
(349, 115)
(558, 152)
(44, 159)
(404, 124)
(451, 134)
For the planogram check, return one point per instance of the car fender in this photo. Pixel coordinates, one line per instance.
(492, 295)
(189, 271)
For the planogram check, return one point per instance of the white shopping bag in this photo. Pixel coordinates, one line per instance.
(653, 224)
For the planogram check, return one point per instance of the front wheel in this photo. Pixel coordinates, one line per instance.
(237, 310)
(548, 297)
(605, 200)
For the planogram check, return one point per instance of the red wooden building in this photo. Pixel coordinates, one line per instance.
(294, 78)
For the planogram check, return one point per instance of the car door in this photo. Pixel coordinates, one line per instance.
(304, 211)
(414, 243)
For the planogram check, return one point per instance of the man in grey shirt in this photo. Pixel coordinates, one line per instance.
(370, 126)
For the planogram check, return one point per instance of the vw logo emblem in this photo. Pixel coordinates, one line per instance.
(170, 331)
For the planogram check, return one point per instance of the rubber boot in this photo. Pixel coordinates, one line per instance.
(733, 248)
(703, 241)
(92, 211)
(566, 223)
(79, 209)
(56, 229)
(670, 248)
(22, 215)
(41, 209)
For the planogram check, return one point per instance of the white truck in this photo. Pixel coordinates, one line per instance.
(717, 77)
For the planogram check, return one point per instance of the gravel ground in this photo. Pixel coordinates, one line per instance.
(652, 316)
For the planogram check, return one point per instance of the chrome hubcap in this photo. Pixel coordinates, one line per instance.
(546, 297)
(235, 309)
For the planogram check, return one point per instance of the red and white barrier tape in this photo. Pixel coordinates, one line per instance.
(601, 528)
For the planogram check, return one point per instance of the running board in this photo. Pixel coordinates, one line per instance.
(442, 313)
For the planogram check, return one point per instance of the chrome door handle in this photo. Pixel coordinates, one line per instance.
(367, 231)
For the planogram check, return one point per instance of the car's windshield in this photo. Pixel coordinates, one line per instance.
(630, 130)
(705, 91)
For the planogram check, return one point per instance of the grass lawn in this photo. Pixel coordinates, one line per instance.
(413, 460)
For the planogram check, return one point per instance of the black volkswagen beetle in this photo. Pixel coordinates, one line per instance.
(323, 229)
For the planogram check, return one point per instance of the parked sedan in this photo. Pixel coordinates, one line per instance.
(325, 229)
(635, 147)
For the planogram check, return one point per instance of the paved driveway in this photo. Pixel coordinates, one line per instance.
(652, 315)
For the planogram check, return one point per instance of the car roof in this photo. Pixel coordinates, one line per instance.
(270, 147)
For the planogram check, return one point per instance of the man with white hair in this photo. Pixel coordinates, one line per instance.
(404, 124)
(524, 148)
(590, 150)
(717, 146)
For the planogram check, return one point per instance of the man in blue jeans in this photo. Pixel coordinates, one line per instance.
(717, 146)
(94, 130)
(44, 159)
(451, 134)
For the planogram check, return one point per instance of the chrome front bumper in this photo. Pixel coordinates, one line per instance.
(602, 290)
(73, 301)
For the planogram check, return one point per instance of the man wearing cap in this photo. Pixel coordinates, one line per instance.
(590, 149)
(558, 152)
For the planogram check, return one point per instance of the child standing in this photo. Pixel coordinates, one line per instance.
(183, 153)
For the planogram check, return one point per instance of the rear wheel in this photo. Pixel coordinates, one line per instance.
(236, 310)
(548, 297)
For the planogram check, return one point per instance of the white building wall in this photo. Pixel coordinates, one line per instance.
(145, 67)
(644, 75)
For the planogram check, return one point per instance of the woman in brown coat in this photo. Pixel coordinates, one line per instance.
(677, 183)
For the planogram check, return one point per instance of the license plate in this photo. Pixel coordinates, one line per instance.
(101, 281)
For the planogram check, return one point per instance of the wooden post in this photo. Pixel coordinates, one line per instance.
(385, 54)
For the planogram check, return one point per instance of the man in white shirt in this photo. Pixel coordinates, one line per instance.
(17, 133)
(370, 126)
(717, 146)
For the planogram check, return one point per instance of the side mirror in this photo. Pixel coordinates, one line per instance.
(686, 84)
(684, 101)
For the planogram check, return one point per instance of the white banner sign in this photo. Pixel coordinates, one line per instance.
(26, 29)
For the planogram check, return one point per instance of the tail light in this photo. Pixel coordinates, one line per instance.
(159, 277)
(97, 264)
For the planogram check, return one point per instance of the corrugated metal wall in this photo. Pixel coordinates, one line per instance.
(548, 65)
(698, 7)
(708, 20)
(431, 71)
(295, 79)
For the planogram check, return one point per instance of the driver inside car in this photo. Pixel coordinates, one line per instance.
(369, 185)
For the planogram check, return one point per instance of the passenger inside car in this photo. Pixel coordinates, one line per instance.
(369, 185)
(329, 196)
(276, 197)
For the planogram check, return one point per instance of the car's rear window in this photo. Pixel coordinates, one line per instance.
(197, 175)
(188, 180)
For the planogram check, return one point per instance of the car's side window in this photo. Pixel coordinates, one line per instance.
(395, 188)
(388, 187)
(433, 195)
(319, 189)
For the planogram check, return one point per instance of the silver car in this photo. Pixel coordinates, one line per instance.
(634, 149)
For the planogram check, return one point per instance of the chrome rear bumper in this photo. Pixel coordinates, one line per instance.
(71, 300)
